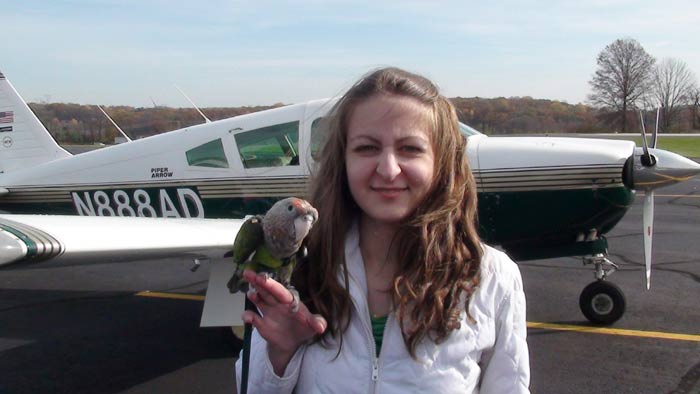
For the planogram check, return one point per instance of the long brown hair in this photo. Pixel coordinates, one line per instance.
(440, 251)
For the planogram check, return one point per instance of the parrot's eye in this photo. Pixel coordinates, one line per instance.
(290, 208)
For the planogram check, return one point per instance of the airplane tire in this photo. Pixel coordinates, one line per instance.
(602, 302)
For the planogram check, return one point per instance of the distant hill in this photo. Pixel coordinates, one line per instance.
(85, 124)
(520, 115)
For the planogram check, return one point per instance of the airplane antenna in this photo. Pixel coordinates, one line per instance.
(194, 105)
(115, 124)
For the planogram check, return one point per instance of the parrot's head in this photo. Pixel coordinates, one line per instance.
(286, 225)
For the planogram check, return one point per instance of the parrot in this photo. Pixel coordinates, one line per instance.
(270, 244)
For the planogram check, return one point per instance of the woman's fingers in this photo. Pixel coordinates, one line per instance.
(317, 323)
(278, 320)
(268, 287)
(264, 300)
(261, 297)
(265, 327)
(250, 317)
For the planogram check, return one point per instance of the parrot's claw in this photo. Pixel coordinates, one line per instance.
(251, 290)
(294, 308)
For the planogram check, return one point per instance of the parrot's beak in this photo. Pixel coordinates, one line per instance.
(313, 214)
(302, 226)
(306, 211)
(309, 218)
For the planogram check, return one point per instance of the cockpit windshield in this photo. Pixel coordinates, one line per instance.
(467, 130)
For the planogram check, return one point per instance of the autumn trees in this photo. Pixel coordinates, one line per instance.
(629, 79)
(522, 115)
(84, 124)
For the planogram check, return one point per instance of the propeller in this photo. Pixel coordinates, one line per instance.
(653, 168)
(648, 211)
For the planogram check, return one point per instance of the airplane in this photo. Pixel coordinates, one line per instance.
(539, 197)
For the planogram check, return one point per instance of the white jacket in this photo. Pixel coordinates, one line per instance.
(490, 356)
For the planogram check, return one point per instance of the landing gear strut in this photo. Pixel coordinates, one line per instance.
(602, 302)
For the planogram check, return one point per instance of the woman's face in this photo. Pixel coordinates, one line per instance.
(389, 156)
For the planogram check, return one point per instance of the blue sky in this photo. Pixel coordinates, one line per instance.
(231, 53)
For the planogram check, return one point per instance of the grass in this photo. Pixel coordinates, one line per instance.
(686, 146)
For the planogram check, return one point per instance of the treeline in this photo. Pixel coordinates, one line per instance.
(84, 124)
(521, 115)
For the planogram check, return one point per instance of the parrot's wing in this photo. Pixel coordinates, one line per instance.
(249, 237)
(266, 260)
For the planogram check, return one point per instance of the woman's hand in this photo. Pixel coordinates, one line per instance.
(283, 329)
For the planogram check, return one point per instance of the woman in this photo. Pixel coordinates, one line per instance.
(399, 295)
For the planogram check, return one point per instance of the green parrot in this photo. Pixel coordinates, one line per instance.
(272, 243)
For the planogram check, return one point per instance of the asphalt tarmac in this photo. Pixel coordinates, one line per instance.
(84, 329)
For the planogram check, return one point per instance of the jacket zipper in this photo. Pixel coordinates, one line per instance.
(375, 360)
(370, 337)
(375, 370)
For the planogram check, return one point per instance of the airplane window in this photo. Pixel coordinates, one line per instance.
(272, 146)
(210, 154)
(467, 130)
(319, 130)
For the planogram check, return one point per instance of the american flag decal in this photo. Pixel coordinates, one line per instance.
(7, 117)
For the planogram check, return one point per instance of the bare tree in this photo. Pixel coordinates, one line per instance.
(622, 77)
(671, 87)
(695, 108)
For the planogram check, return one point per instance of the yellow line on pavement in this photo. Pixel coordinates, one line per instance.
(615, 331)
(156, 294)
(673, 195)
(543, 326)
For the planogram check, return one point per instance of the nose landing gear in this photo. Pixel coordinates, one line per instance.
(602, 302)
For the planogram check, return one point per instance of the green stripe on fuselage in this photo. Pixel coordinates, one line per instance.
(502, 215)
(550, 219)
(528, 224)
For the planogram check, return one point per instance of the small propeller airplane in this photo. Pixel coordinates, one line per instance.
(185, 193)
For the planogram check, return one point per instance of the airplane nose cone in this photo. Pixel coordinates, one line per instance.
(11, 248)
(669, 168)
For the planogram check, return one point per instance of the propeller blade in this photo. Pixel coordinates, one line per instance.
(646, 157)
(644, 133)
(655, 135)
(648, 220)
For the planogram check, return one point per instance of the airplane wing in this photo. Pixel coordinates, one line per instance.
(27, 239)
(33, 238)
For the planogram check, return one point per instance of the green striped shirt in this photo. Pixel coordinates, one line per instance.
(378, 324)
